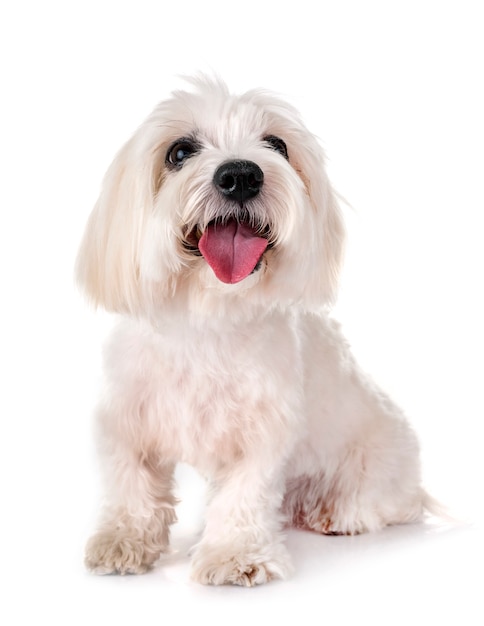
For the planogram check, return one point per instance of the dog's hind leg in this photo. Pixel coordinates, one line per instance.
(374, 482)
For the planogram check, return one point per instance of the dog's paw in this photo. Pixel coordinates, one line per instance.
(217, 567)
(350, 520)
(325, 522)
(326, 526)
(118, 553)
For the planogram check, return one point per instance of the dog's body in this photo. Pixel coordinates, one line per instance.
(218, 237)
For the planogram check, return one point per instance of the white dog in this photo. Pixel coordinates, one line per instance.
(218, 238)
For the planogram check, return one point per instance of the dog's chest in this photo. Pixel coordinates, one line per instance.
(210, 394)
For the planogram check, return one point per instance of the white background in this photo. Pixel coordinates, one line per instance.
(395, 91)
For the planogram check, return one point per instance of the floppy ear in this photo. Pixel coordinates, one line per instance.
(108, 261)
(333, 234)
(329, 233)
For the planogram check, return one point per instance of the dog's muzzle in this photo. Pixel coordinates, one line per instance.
(233, 243)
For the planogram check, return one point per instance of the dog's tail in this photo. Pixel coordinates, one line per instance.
(435, 508)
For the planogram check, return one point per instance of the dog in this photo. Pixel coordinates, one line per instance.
(218, 239)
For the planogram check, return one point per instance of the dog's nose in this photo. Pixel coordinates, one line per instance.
(239, 180)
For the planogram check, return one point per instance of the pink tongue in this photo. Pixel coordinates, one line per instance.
(232, 250)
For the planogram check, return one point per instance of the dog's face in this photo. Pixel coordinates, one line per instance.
(218, 201)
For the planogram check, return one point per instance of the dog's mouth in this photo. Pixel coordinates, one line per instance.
(233, 247)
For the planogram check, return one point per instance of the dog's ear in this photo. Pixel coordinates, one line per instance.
(329, 230)
(333, 234)
(108, 261)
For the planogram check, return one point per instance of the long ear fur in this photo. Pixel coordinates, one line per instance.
(334, 234)
(108, 262)
(330, 230)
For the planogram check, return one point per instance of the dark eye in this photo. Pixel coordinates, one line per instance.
(180, 151)
(277, 144)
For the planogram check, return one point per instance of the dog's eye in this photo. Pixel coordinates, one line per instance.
(277, 144)
(180, 151)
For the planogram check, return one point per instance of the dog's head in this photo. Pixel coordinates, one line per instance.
(218, 201)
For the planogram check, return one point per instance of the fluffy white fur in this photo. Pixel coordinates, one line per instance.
(251, 383)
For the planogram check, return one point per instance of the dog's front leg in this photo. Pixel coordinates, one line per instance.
(134, 528)
(243, 539)
(133, 533)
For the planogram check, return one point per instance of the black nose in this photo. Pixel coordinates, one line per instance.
(239, 180)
